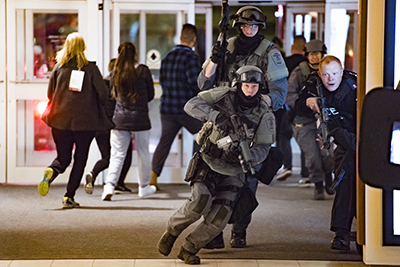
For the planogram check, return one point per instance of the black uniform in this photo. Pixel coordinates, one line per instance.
(342, 127)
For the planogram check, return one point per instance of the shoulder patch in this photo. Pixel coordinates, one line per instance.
(277, 58)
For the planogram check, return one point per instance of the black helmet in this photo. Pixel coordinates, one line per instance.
(315, 46)
(249, 15)
(249, 74)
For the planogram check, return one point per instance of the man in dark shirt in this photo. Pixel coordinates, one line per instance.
(178, 79)
(297, 55)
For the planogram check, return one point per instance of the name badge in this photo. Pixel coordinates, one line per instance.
(76, 81)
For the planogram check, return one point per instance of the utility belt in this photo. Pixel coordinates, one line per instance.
(199, 171)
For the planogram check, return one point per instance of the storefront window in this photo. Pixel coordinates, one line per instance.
(50, 32)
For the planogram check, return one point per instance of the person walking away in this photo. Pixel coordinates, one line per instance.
(248, 48)
(216, 175)
(339, 88)
(76, 93)
(178, 79)
(132, 87)
(103, 143)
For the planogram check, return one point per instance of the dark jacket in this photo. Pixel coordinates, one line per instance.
(77, 111)
(341, 103)
(130, 116)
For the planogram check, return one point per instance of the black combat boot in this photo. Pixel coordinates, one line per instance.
(238, 240)
(341, 241)
(188, 257)
(166, 243)
(319, 191)
(216, 243)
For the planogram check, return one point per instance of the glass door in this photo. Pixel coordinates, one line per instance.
(35, 32)
(154, 30)
(304, 19)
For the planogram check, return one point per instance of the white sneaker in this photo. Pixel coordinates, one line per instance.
(304, 182)
(283, 174)
(146, 191)
(108, 191)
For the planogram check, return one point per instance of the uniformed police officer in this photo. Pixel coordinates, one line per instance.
(249, 47)
(339, 89)
(216, 172)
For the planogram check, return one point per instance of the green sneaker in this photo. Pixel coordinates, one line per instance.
(44, 185)
(69, 203)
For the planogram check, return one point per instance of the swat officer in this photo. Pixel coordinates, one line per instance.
(234, 118)
(304, 127)
(339, 90)
(249, 47)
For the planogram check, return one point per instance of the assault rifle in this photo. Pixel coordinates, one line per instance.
(241, 134)
(323, 118)
(222, 75)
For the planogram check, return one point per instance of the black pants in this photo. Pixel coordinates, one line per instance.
(170, 126)
(103, 142)
(344, 204)
(65, 141)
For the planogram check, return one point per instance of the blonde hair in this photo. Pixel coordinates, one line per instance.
(74, 46)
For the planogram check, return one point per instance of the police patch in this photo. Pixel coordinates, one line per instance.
(277, 58)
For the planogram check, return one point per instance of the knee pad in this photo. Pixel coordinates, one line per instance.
(201, 204)
(220, 216)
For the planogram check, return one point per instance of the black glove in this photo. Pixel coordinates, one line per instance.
(217, 53)
(233, 155)
(223, 122)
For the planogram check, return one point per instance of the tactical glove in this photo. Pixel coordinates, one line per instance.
(223, 122)
(217, 53)
(233, 155)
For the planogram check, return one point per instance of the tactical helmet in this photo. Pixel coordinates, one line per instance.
(249, 15)
(315, 46)
(249, 74)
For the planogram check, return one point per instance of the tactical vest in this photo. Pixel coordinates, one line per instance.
(259, 58)
(261, 118)
(305, 69)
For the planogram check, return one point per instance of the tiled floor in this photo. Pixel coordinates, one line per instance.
(174, 263)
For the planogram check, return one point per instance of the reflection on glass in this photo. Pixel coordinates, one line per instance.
(306, 24)
(42, 133)
(129, 29)
(50, 32)
(201, 37)
(160, 36)
(395, 144)
(350, 51)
